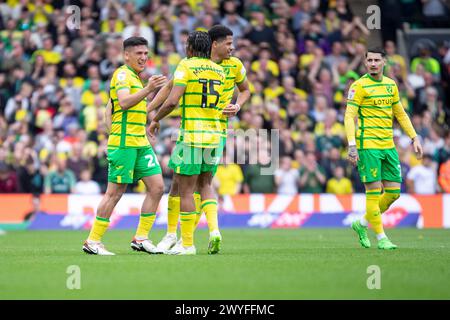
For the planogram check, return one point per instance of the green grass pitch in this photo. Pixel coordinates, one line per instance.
(253, 264)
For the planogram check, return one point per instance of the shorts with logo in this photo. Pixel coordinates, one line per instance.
(128, 165)
(379, 164)
(188, 160)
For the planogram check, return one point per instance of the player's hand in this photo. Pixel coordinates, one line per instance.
(353, 155)
(153, 128)
(417, 147)
(231, 110)
(156, 82)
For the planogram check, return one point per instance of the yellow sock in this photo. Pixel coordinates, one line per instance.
(198, 204)
(373, 214)
(98, 229)
(209, 206)
(389, 196)
(145, 224)
(187, 220)
(173, 211)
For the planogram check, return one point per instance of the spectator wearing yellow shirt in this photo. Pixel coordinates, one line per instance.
(50, 56)
(265, 64)
(41, 11)
(229, 177)
(339, 184)
(88, 97)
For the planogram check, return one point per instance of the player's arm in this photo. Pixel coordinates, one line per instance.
(354, 100)
(108, 116)
(405, 123)
(127, 100)
(243, 96)
(160, 97)
(169, 105)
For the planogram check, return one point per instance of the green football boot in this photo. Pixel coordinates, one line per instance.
(362, 234)
(386, 244)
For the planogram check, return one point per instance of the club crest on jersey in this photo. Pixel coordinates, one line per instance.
(389, 89)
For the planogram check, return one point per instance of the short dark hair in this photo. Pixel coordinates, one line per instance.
(134, 41)
(379, 50)
(219, 32)
(199, 43)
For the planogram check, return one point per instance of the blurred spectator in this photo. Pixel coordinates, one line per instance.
(254, 180)
(421, 179)
(443, 154)
(8, 179)
(286, 177)
(339, 184)
(86, 185)
(429, 63)
(60, 180)
(312, 176)
(229, 177)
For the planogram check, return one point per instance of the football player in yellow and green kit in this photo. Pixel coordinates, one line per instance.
(197, 85)
(375, 100)
(130, 154)
(221, 49)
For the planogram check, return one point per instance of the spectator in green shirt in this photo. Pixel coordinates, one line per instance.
(60, 181)
(430, 64)
(312, 176)
(255, 182)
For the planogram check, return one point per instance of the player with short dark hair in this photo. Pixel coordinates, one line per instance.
(130, 155)
(375, 100)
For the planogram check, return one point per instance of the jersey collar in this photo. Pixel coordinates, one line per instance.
(375, 80)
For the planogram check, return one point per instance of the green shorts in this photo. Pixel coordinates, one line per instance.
(187, 160)
(128, 165)
(379, 164)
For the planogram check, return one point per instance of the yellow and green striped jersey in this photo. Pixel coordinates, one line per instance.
(235, 74)
(200, 114)
(128, 126)
(375, 102)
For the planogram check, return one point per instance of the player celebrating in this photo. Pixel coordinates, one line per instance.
(374, 98)
(199, 83)
(221, 49)
(130, 155)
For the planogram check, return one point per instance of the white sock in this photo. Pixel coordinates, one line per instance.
(141, 238)
(363, 221)
(381, 236)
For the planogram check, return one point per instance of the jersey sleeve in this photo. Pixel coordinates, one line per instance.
(121, 80)
(354, 100)
(241, 73)
(401, 116)
(181, 75)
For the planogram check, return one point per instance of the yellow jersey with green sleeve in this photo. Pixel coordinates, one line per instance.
(235, 74)
(376, 102)
(200, 114)
(127, 126)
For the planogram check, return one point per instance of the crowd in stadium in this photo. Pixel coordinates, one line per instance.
(300, 56)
